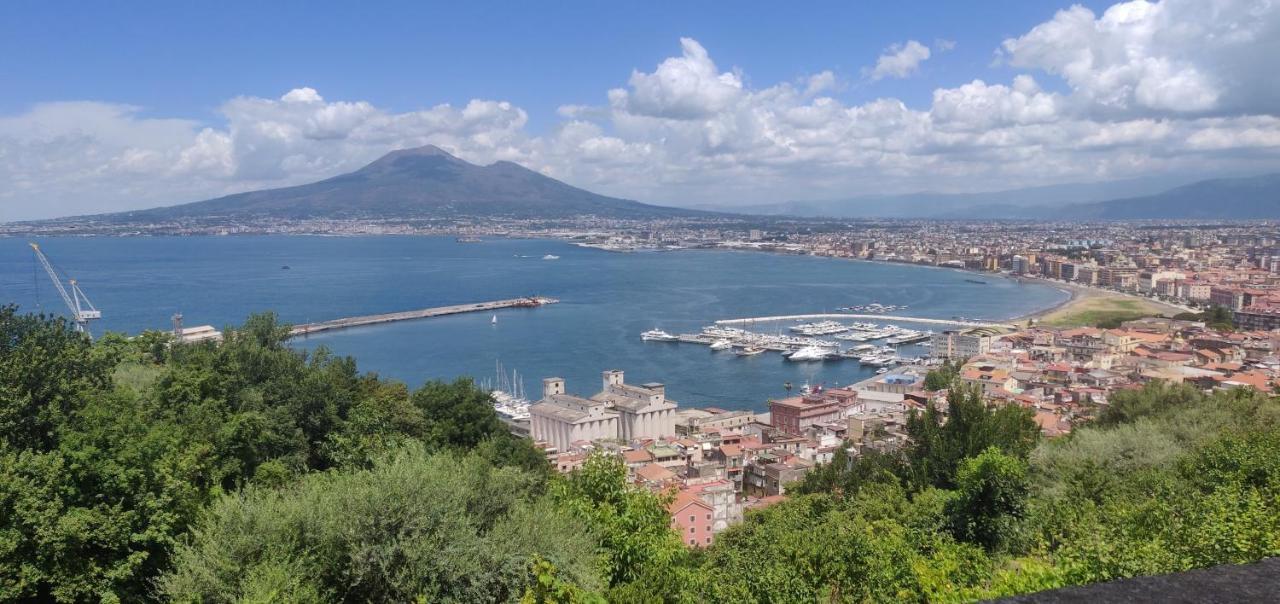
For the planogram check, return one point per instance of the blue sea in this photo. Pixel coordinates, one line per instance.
(607, 300)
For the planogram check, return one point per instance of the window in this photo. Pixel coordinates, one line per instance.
(693, 529)
(708, 540)
(692, 518)
(708, 516)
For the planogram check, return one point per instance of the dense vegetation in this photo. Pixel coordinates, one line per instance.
(135, 470)
(1216, 317)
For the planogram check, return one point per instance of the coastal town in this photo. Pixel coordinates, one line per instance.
(716, 463)
(1195, 304)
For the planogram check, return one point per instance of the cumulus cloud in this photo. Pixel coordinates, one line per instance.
(1143, 89)
(71, 158)
(899, 60)
(1183, 56)
(685, 87)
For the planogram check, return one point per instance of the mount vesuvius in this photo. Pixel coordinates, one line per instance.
(420, 183)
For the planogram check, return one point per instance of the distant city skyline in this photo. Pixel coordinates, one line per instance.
(112, 108)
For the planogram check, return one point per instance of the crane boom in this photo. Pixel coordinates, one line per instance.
(81, 314)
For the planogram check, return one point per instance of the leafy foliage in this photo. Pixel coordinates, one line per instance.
(110, 450)
(416, 525)
(143, 469)
(991, 497)
(970, 428)
(942, 377)
(631, 524)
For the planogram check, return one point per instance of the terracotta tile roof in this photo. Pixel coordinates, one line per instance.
(685, 499)
(654, 473)
(636, 456)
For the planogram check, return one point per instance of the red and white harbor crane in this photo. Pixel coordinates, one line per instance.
(82, 310)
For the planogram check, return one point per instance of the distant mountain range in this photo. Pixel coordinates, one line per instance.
(425, 182)
(1136, 199)
(1220, 198)
(429, 183)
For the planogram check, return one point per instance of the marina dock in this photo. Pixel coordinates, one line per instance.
(348, 322)
(874, 317)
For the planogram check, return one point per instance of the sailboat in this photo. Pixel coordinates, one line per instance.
(493, 320)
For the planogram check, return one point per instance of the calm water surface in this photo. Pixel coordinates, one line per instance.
(607, 299)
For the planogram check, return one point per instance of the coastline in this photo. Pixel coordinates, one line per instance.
(1076, 294)
(1082, 296)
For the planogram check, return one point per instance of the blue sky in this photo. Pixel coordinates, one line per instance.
(184, 58)
(107, 106)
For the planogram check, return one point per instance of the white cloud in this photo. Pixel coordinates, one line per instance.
(685, 87)
(899, 60)
(820, 82)
(978, 106)
(1182, 56)
(1145, 89)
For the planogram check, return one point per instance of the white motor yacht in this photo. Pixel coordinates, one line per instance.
(657, 335)
(809, 353)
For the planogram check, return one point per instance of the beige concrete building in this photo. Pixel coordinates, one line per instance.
(643, 411)
(561, 419)
(619, 411)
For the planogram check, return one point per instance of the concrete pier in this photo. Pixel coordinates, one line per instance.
(310, 328)
(950, 322)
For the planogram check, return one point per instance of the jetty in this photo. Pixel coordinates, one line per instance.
(874, 317)
(440, 311)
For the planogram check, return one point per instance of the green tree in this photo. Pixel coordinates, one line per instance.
(437, 527)
(45, 369)
(991, 499)
(970, 427)
(457, 414)
(942, 377)
(632, 525)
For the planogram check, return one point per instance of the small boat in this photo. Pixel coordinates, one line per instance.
(285, 267)
(551, 257)
(749, 351)
(721, 345)
(976, 281)
(882, 370)
(657, 335)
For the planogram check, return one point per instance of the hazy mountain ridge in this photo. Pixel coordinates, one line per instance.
(1256, 197)
(1252, 197)
(424, 182)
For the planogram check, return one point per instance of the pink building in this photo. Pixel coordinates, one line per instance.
(693, 519)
